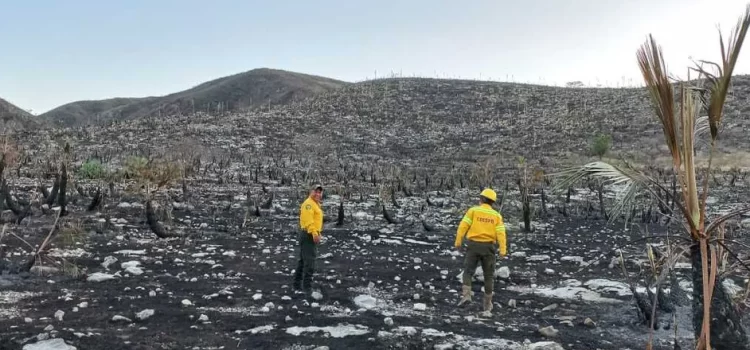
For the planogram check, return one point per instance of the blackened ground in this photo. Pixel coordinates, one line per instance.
(392, 264)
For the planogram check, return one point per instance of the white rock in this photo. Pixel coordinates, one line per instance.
(203, 318)
(59, 315)
(135, 271)
(132, 263)
(503, 272)
(545, 345)
(542, 257)
(50, 344)
(257, 296)
(420, 306)
(108, 261)
(365, 301)
(186, 302)
(549, 331)
(116, 318)
(317, 296)
(145, 314)
(100, 277)
(388, 321)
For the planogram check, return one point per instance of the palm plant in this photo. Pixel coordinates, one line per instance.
(682, 128)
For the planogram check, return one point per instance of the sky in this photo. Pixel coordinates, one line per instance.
(55, 52)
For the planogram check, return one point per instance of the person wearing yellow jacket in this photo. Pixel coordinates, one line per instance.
(483, 229)
(311, 225)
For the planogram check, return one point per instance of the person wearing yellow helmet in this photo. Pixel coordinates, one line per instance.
(483, 229)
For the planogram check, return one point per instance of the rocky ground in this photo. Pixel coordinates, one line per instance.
(380, 285)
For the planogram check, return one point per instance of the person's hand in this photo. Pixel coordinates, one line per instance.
(316, 238)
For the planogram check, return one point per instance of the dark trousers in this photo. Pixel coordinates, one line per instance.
(306, 264)
(484, 253)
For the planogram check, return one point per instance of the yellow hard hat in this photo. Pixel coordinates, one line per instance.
(489, 194)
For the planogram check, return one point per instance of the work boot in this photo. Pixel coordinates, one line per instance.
(487, 302)
(465, 295)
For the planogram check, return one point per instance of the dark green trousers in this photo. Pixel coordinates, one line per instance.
(308, 251)
(480, 253)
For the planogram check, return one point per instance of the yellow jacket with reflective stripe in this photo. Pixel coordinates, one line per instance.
(311, 217)
(481, 223)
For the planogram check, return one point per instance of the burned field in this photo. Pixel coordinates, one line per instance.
(183, 236)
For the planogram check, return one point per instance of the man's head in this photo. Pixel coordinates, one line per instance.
(317, 193)
(488, 196)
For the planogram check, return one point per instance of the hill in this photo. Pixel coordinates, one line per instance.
(424, 124)
(13, 117)
(248, 90)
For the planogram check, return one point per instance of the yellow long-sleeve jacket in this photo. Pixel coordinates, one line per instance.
(481, 223)
(311, 217)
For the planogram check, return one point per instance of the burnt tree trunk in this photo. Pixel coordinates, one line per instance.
(96, 202)
(526, 214)
(55, 189)
(727, 331)
(61, 198)
(602, 209)
(153, 222)
(340, 219)
(387, 216)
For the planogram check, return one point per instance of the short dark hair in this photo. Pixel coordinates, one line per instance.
(484, 199)
(318, 188)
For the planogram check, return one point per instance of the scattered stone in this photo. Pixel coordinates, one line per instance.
(100, 277)
(59, 315)
(365, 301)
(108, 261)
(50, 344)
(420, 307)
(388, 321)
(145, 314)
(545, 345)
(186, 302)
(549, 331)
(588, 322)
(117, 318)
(503, 272)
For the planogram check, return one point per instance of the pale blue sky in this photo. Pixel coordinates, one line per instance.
(55, 52)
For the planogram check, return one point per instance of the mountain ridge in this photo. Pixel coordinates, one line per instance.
(250, 89)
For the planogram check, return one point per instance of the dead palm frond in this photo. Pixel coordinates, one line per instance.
(682, 127)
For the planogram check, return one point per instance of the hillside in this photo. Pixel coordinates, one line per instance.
(13, 117)
(248, 90)
(423, 123)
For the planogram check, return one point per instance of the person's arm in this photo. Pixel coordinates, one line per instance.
(501, 239)
(463, 227)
